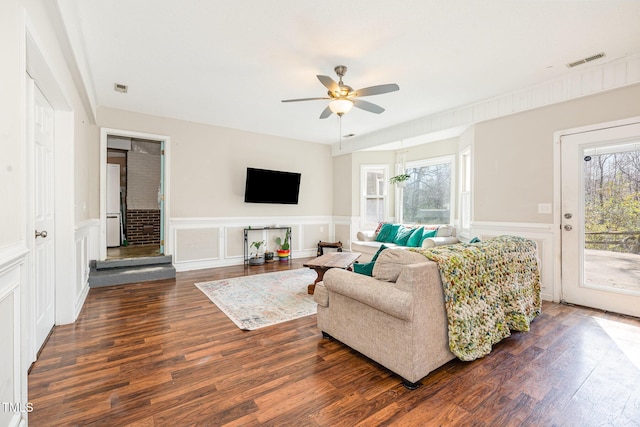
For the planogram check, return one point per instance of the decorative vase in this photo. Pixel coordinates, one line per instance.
(283, 254)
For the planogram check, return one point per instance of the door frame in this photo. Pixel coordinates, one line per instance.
(557, 193)
(164, 140)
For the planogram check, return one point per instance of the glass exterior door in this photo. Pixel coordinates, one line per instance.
(601, 219)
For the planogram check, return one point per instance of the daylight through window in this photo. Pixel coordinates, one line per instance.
(428, 192)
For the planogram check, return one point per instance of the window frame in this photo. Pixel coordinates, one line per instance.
(364, 197)
(451, 160)
(466, 191)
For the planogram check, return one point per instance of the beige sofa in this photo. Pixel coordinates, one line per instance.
(367, 245)
(397, 318)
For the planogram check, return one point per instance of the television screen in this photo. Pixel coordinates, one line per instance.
(268, 186)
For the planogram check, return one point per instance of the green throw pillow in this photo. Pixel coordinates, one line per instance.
(393, 233)
(366, 268)
(383, 234)
(403, 236)
(416, 238)
(426, 234)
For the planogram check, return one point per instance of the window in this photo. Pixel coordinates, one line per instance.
(465, 191)
(374, 190)
(427, 197)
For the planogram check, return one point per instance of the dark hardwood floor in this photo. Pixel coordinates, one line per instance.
(161, 354)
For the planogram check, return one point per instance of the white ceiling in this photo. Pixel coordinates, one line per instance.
(230, 63)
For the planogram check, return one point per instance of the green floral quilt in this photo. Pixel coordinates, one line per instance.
(490, 288)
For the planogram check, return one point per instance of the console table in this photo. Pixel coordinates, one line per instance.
(248, 230)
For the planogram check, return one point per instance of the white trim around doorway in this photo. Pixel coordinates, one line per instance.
(104, 132)
(557, 191)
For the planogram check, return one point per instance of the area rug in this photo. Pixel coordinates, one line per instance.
(253, 302)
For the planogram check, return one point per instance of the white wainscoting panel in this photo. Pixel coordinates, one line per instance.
(86, 248)
(542, 234)
(342, 232)
(199, 243)
(13, 378)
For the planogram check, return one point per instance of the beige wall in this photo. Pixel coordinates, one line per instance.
(208, 166)
(514, 155)
(342, 185)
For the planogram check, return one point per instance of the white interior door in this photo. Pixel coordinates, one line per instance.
(601, 218)
(43, 254)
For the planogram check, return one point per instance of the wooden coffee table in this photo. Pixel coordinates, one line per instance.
(331, 260)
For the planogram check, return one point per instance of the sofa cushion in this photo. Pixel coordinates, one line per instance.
(389, 264)
(444, 231)
(402, 236)
(432, 242)
(366, 268)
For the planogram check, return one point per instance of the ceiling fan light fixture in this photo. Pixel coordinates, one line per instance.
(340, 106)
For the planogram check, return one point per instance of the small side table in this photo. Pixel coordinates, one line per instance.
(331, 260)
(322, 245)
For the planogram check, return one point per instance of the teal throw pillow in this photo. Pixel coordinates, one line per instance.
(393, 233)
(403, 236)
(366, 268)
(416, 238)
(383, 234)
(426, 234)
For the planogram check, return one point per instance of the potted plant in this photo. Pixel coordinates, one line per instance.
(268, 255)
(257, 259)
(400, 180)
(283, 245)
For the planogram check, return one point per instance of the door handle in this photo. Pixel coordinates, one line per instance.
(42, 234)
(568, 227)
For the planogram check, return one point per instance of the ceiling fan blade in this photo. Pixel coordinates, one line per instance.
(302, 99)
(326, 113)
(329, 83)
(375, 90)
(368, 106)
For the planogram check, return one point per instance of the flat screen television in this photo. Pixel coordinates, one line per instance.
(269, 186)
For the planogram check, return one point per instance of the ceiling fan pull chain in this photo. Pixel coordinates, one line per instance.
(340, 130)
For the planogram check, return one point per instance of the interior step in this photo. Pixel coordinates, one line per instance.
(132, 262)
(130, 270)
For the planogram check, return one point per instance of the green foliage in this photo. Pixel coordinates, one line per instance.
(284, 243)
(612, 201)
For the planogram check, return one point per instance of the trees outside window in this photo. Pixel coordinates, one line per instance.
(612, 199)
(427, 196)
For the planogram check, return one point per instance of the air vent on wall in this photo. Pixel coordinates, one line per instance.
(118, 87)
(585, 60)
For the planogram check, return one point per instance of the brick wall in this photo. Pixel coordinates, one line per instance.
(143, 180)
(143, 226)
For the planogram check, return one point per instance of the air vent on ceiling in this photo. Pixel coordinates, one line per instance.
(585, 60)
(118, 87)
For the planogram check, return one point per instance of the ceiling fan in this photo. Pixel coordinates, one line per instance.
(343, 97)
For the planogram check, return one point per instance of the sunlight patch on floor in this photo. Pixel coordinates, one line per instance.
(626, 336)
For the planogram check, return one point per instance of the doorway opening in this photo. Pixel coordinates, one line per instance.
(134, 199)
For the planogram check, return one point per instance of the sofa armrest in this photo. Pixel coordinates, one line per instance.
(432, 242)
(383, 296)
(366, 236)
